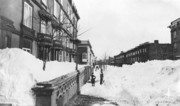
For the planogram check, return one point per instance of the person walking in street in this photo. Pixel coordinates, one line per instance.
(101, 77)
(93, 78)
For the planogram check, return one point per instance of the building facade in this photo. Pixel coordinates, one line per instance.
(85, 53)
(144, 52)
(44, 28)
(175, 38)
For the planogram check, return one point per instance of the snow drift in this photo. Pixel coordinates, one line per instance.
(20, 71)
(140, 84)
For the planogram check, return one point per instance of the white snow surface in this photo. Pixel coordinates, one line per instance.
(20, 71)
(140, 84)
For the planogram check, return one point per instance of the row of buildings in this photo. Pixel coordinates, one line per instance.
(45, 28)
(152, 51)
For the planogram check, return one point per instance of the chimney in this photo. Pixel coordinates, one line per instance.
(156, 41)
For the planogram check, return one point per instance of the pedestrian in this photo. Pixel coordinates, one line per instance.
(96, 68)
(93, 78)
(101, 77)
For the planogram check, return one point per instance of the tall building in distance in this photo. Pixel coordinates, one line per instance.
(44, 28)
(175, 38)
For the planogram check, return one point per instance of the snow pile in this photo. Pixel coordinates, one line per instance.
(20, 71)
(140, 84)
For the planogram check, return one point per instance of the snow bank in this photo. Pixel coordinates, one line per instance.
(144, 84)
(20, 71)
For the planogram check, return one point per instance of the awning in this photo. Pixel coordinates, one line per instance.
(44, 15)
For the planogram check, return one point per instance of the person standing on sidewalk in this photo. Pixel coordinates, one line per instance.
(93, 78)
(101, 77)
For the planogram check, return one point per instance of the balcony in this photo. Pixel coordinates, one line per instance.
(56, 25)
(44, 39)
(44, 15)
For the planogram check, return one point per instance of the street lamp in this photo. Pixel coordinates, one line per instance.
(76, 42)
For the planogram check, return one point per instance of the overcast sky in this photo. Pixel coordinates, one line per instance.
(119, 25)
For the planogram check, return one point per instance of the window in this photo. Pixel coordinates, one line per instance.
(84, 57)
(7, 41)
(62, 2)
(174, 34)
(61, 16)
(55, 35)
(27, 45)
(145, 50)
(27, 50)
(68, 11)
(27, 15)
(44, 2)
(71, 45)
(43, 27)
(175, 46)
(56, 9)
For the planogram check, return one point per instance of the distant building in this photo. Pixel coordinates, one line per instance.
(144, 52)
(111, 61)
(120, 59)
(175, 38)
(85, 53)
(41, 27)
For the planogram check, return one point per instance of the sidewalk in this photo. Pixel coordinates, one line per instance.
(85, 100)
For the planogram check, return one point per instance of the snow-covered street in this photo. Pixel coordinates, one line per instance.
(142, 84)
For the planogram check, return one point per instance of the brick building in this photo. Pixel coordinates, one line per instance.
(85, 53)
(144, 52)
(42, 27)
(175, 38)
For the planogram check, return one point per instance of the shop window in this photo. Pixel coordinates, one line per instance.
(27, 15)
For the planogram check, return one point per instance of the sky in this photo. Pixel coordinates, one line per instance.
(113, 26)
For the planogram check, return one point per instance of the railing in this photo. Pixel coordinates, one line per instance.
(59, 91)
